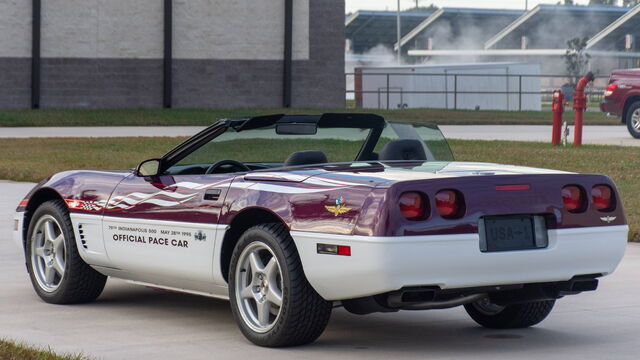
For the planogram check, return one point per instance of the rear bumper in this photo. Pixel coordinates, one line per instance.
(610, 106)
(382, 264)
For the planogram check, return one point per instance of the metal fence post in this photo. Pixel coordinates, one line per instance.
(388, 75)
(446, 91)
(520, 93)
(346, 89)
(455, 92)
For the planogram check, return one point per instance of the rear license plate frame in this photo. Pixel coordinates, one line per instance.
(499, 233)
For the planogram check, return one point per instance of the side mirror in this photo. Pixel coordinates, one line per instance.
(148, 168)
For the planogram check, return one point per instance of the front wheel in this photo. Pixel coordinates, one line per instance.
(494, 316)
(271, 299)
(58, 273)
(633, 119)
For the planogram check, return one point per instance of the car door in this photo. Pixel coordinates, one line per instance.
(163, 229)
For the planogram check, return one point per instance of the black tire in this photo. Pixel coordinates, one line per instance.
(510, 316)
(629, 119)
(303, 314)
(80, 283)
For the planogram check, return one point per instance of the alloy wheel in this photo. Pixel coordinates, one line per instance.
(258, 284)
(635, 120)
(48, 253)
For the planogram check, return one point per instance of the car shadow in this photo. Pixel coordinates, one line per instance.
(444, 332)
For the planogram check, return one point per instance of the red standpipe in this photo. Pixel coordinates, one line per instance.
(557, 108)
(580, 106)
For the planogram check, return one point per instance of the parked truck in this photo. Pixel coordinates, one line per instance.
(622, 98)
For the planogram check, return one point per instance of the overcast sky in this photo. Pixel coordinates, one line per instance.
(353, 5)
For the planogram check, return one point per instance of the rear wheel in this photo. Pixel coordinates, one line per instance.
(633, 119)
(58, 274)
(494, 316)
(272, 301)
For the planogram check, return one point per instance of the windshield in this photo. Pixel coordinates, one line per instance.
(265, 147)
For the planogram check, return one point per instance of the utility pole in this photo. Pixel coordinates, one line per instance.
(398, 34)
(417, 6)
(526, 5)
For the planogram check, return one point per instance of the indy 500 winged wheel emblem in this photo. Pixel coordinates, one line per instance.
(339, 208)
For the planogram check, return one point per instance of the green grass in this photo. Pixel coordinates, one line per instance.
(50, 155)
(33, 159)
(10, 350)
(201, 117)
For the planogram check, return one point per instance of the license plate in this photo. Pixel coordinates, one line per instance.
(512, 232)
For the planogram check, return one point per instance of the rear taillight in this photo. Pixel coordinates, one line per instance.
(449, 203)
(413, 205)
(573, 198)
(602, 197)
(610, 89)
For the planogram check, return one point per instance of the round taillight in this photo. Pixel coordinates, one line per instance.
(573, 198)
(449, 203)
(413, 205)
(602, 196)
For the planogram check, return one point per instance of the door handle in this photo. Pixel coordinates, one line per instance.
(212, 194)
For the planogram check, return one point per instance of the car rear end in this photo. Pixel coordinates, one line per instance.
(476, 234)
(617, 91)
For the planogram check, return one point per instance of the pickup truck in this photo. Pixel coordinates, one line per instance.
(622, 98)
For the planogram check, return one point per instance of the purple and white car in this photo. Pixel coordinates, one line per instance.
(289, 216)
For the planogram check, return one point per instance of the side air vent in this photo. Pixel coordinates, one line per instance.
(82, 240)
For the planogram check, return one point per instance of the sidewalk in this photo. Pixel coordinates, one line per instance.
(601, 135)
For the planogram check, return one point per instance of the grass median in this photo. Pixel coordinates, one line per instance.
(10, 350)
(202, 117)
(34, 159)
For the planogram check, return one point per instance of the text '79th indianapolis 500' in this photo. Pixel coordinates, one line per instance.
(288, 216)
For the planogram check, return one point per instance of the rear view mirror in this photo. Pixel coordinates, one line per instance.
(296, 129)
(148, 168)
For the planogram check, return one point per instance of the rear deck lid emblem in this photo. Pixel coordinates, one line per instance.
(339, 208)
(608, 219)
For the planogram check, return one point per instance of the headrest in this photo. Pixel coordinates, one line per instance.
(403, 149)
(306, 157)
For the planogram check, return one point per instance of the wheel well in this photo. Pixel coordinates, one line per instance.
(240, 223)
(628, 103)
(38, 198)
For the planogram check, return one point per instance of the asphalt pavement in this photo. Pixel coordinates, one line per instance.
(133, 322)
(602, 135)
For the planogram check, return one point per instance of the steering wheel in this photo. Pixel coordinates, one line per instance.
(234, 163)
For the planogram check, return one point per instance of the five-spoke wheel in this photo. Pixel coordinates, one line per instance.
(271, 299)
(57, 271)
(48, 253)
(259, 287)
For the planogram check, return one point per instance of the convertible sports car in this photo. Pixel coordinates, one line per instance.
(289, 216)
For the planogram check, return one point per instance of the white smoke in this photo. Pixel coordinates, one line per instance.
(378, 56)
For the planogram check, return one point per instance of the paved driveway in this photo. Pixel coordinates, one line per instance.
(604, 135)
(597, 135)
(132, 322)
